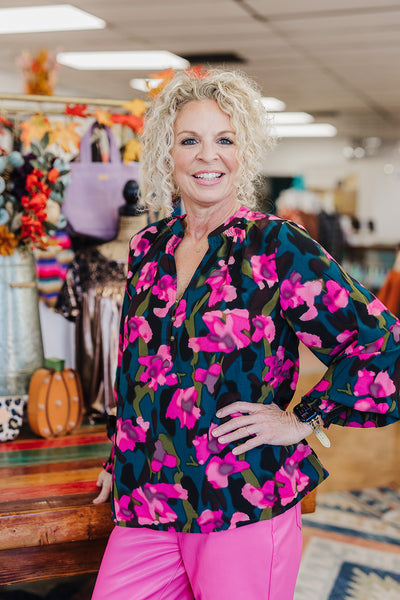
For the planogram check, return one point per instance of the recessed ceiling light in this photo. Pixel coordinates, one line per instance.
(290, 118)
(273, 104)
(136, 60)
(144, 85)
(310, 130)
(60, 17)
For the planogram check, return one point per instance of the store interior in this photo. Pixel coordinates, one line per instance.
(334, 167)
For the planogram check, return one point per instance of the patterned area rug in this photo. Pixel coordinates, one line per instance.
(352, 547)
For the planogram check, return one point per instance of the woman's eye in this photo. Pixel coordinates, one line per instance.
(225, 141)
(188, 142)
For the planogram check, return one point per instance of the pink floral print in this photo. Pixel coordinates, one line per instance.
(293, 480)
(157, 367)
(227, 331)
(264, 270)
(206, 445)
(128, 435)
(137, 327)
(147, 275)
(264, 328)
(374, 386)
(336, 297)
(208, 377)
(161, 458)
(279, 368)
(209, 520)
(219, 469)
(221, 288)
(139, 244)
(151, 502)
(182, 407)
(263, 497)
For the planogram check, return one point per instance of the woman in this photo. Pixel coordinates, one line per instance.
(208, 465)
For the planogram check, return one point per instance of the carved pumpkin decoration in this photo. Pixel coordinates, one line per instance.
(55, 401)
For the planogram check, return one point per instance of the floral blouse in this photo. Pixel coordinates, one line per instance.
(263, 285)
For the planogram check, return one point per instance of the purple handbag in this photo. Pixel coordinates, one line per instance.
(95, 193)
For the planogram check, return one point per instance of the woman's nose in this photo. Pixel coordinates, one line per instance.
(207, 151)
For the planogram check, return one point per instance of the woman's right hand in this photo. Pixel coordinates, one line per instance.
(104, 482)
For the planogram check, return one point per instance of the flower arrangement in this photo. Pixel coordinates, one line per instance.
(32, 189)
(40, 72)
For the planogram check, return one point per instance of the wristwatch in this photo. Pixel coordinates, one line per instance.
(306, 414)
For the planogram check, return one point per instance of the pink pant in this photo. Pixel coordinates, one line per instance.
(255, 562)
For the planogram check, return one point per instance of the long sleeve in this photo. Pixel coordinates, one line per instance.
(346, 327)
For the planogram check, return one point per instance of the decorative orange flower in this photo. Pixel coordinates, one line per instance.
(132, 121)
(5, 122)
(36, 204)
(53, 175)
(198, 72)
(8, 241)
(31, 229)
(77, 110)
(165, 77)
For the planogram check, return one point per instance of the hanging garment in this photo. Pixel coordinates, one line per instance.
(97, 344)
(52, 266)
(389, 293)
(91, 296)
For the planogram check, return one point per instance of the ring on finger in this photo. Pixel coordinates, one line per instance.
(249, 433)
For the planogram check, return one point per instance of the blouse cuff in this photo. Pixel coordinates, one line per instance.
(108, 464)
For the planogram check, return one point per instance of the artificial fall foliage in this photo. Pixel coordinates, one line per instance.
(77, 110)
(103, 117)
(34, 129)
(8, 241)
(136, 107)
(65, 135)
(133, 151)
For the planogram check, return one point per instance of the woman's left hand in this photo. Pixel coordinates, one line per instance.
(261, 424)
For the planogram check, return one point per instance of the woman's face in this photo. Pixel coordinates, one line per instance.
(205, 155)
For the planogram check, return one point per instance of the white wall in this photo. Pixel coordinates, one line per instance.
(322, 164)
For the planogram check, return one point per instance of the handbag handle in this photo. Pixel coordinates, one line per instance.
(85, 155)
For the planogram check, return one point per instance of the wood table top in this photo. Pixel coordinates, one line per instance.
(46, 492)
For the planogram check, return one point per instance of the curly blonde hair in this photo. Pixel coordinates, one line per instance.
(238, 96)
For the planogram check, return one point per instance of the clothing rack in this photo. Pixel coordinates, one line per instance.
(61, 99)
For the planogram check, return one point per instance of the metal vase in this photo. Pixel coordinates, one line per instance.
(21, 345)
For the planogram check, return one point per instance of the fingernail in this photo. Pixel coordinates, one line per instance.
(214, 433)
(221, 440)
(219, 413)
(234, 451)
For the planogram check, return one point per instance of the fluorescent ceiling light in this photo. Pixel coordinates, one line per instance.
(310, 130)
(139, 60)
(290, 118)
(144, 85)
(60, 17)
(273, 104)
